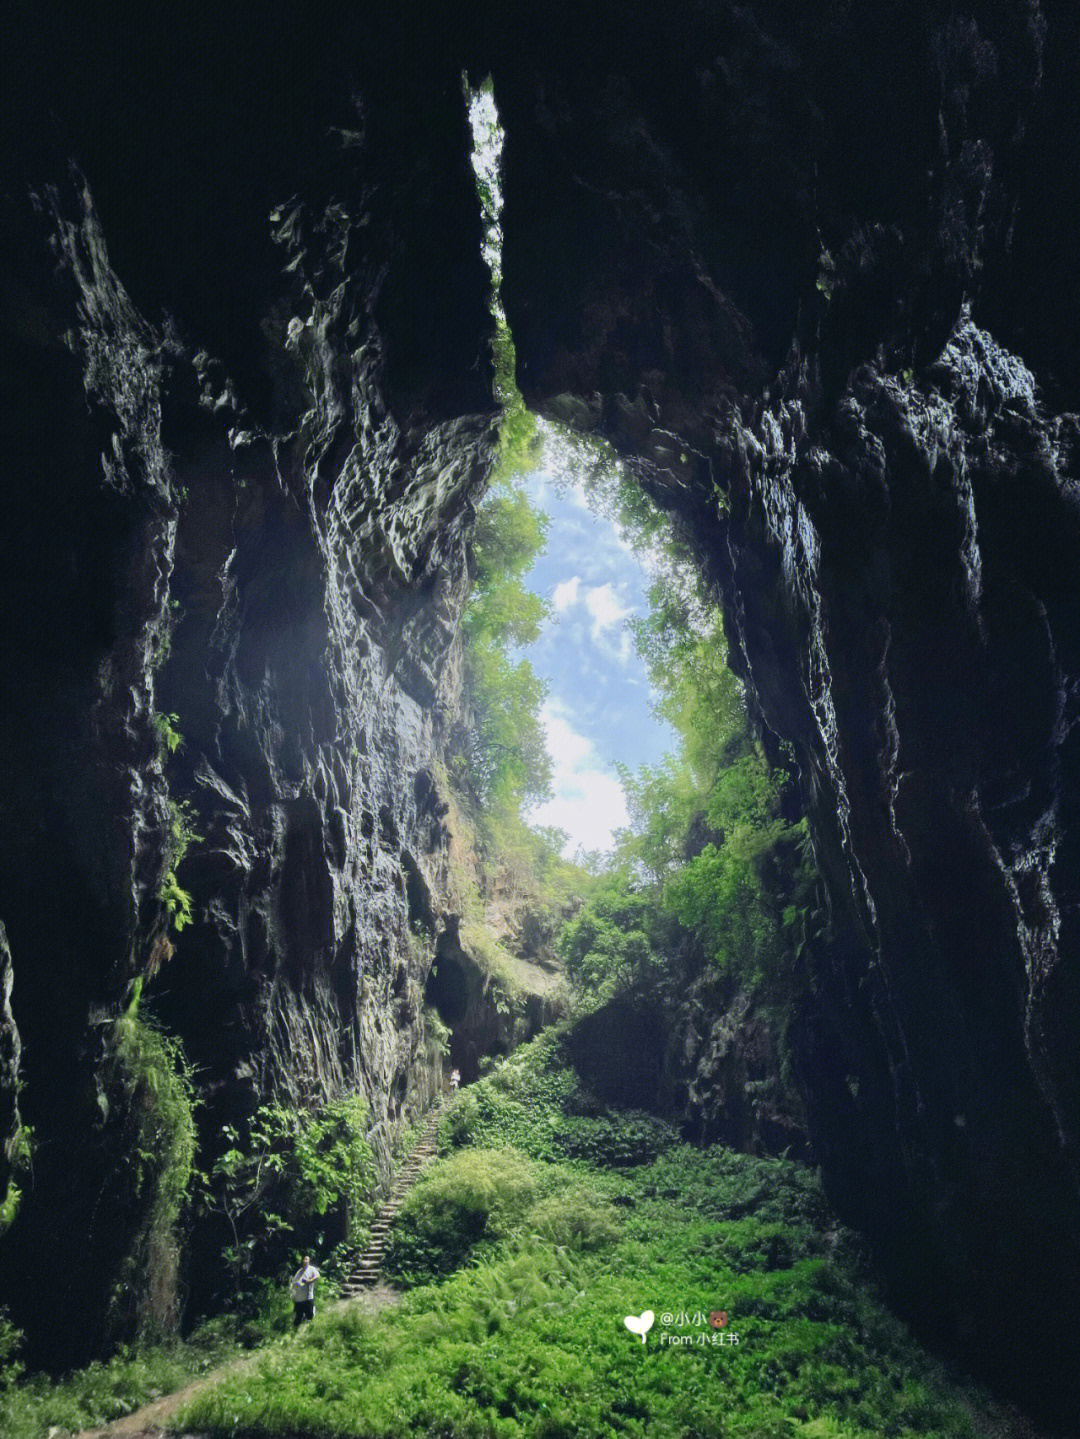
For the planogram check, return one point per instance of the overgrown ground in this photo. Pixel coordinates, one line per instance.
(545, 1225)
(39, 1405)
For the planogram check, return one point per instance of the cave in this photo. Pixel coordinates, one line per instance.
(808, 270)
(447, 987)
(482, 1026)
(620, 1051)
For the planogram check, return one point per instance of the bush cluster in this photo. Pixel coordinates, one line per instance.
(478, 1198)
(292, 1179)
(160, 1098)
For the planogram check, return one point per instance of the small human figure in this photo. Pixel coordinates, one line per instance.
(455, 1080)
(302, 1290)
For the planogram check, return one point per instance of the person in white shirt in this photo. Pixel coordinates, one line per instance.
(302, 1290)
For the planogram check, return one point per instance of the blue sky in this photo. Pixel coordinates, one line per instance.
(598, 706)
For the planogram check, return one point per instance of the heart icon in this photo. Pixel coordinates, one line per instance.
(640, 1324)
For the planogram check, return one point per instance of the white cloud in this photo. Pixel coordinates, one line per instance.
(566, 594)
(606, 611)
(566, 747)
(588, 803)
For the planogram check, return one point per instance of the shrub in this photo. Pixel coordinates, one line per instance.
(160, 1098)
(579, 1217)
(11, 1340)
(475, 1195)
(169, 737)
(290, 1171)
(181, 837)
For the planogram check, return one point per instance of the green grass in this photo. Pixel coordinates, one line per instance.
(528, 1338)
(103, 1392)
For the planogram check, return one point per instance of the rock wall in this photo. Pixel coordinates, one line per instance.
(708, 1062)
(10, 1055)
(263, 554)
(764, 249)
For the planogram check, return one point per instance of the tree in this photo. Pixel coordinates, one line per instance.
(509, 760)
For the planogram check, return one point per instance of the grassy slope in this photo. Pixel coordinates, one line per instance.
(561, 1235)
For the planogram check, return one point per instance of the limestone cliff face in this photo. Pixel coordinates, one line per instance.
(279, 585)
(707, 1060)
(10, 1054)
(88, 526)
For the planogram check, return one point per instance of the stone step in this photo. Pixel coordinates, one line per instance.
(367, 1265)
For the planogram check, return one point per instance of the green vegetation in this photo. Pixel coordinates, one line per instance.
(508, 764)
(170, 737)
(9, 1205)
(534, 1103)
(160, 1150)
(715, 869)
(296, 1174)
(21, 1158)
(292, 1180)
(528, 1338)
(436, 1033)
(36, 1406)
(474, 1195)
(532, 878)
(503, 765)
(11, 1366)
(182, 836)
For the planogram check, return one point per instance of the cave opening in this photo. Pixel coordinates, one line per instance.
(447, 988)
(592, 573)
(812, 757)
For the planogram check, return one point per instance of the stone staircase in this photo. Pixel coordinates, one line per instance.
(368, 1266)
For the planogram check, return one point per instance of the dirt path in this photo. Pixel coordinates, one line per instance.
(153, 1420)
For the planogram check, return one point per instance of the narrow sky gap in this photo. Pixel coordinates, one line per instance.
(598, 710)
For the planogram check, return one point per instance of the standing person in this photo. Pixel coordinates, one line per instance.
(302, 1290)
(455, 1080)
